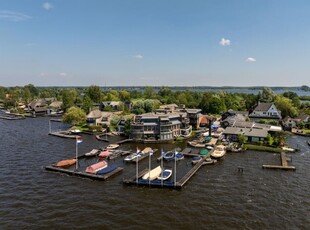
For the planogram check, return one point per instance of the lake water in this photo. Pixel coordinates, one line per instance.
(216, 197)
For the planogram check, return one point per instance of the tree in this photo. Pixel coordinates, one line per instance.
(241, 139)
(286, 106)
(269, 139)
(266, 95)
(33, 90)
(138, 107)
(127, 127)
(124, 95)
(74, 116)
(280, 138)
(68, 98)
(94, 93)
(87, 104)
(149, 92)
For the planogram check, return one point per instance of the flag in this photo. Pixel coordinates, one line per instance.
(138, 150)
(162, 152)
(151, 152)
(79, 140)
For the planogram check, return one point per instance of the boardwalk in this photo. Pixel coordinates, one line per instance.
(63, 134)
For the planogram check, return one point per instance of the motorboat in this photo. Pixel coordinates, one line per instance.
(132, 157)
(65, 163)
(93, 169)
(153, 174)
(197, 144)
(218, 152)
(107, 169)
(146, 150)
(179, 156)
(75, 131)
(112, 146)
(166, 174)
(105, 153)
(93, 152)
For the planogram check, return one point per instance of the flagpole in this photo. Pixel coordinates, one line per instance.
(76, 154)
(137, 167)
(162, 168)
(175, 169)
(149, 168)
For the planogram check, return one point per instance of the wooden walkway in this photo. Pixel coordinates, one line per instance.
(123, 141)
(84, 174)
(284, 165)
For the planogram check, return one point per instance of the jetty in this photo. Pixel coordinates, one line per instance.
(12, 117)
(100, 138)
(166, 184)
(63, 134)
(284, 165)
(83, 174)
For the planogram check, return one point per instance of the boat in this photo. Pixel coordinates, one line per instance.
(107, 169)
(146, 150)
(196, 159)
(209, 147)
(65, 163)
(203, 152)
(132, 157)
(179, 156)
(153, 174)
(218, 152)
(210, 161)
(75, 131)
(93, 152)
(196, 144)
(105, 153)
(166, 174)
(96, 167)
(168, 156)
(112, 146)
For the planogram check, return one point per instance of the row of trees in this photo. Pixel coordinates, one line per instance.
(148, 100)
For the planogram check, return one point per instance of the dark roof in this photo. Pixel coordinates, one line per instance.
(263, 106)
(246, 132)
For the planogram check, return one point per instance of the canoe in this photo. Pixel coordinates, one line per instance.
(153, 174)
(166, 174)
(92, 153)
(112, 146)
(168, 155)
(219, 151)
(65, 163)
(107, 169)
(96, 167)
(105, 153)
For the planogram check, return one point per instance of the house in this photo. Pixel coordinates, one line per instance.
(193, 116)
(38, 107)
(302, 118)
(115, 105)
(158, 127)
(288, 123)
(121, 123)
(251, 135)
(265, 111)
(170, 107)
(55, 107)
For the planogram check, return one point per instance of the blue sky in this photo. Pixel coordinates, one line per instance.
(155, 42)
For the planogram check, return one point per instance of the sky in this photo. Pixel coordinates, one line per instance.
(155, 42)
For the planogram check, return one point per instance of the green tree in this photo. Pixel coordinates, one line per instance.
(33, 90)
(124, 95)
(68, 98)
(241, 139)
(127, 127)
(269, 139)
(94, 93)
(87, 104)
(138, 107)
(279, 138)
(149, 92)
(267, 95)
(286, 106)
(74, 116)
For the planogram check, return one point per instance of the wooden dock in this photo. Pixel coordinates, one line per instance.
(84, 174)
(166, 184)
(123, 141)
(63, 134)
(284, 165)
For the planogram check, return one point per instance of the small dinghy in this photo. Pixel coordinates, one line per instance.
(113, 146)
(96, 167)
(153, 174)
(166, 174)
(132, 157)
(106, 153)
(196, 159)
(179, 156)
(66, 163)
(168, 155)
(93, 152)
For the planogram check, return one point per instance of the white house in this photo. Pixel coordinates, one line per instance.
(265, 111)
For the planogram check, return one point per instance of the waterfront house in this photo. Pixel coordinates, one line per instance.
(169, 107)
(38, 107)
(55, 107)
(288, 123)
(251, 134)
(265, 111)
(98, 118)
(121, 123)
(193, 116)
(114, 105)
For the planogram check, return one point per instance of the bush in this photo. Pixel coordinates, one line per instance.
(262, 148)
(95, 128)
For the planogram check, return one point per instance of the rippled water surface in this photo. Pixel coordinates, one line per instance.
(217, 197)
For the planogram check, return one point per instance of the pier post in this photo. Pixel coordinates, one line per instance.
(240, 169)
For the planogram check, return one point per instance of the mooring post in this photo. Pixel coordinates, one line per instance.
(240, 169)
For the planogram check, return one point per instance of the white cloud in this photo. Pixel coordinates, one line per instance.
(47, 6)
(13, 16)
(138, 56)
(225, 42)
(63, 74)
(250, 59)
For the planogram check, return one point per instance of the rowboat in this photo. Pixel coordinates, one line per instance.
(196, 144)
(203, 152)
(112, 146)
(146, 150)
(96, 167)
(105, 153)
(107, 169)
(66, 163)
(153, 174)
(179, 156)
(168, 155)
(218, 152)
(75, 131)
(196, 159)
(165, 174)
(92, 153)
